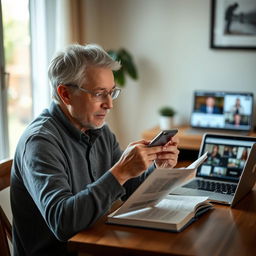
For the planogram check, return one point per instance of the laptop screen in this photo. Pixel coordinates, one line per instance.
(227, 155)
(222, 110)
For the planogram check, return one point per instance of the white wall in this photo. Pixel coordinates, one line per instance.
(170, 43)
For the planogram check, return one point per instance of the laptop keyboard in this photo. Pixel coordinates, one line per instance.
(212, 186)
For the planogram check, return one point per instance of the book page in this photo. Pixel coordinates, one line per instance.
(172, 209)
(157, 186)
(198, 162)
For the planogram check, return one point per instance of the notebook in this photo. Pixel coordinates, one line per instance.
(229, 171)
(224, 111)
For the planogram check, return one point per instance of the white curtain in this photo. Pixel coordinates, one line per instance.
(54, 25)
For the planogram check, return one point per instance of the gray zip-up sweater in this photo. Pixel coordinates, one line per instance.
(60, 182)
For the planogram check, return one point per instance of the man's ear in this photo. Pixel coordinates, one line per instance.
(64, 93)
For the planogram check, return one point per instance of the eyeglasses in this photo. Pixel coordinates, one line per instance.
(99, 96)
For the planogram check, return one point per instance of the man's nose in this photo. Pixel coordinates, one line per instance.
(108, 102)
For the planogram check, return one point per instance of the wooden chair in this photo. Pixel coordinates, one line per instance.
(5, 226)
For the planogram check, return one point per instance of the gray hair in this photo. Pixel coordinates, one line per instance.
(69, 66)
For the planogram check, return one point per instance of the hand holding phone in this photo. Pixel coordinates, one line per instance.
(162, 138)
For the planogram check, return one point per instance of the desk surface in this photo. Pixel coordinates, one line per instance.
(187, 140)
(221, 231)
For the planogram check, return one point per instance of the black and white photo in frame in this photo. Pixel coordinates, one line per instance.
(233, 24)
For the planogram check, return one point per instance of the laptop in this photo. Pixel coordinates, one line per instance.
(229, 171)
(221, 111)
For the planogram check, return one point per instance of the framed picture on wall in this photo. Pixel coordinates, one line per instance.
(233, 24)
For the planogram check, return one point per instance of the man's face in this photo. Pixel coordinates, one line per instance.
(237, 119)
(86, 112)
(210, 102)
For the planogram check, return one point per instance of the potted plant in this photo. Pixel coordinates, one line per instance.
(166, 117)
(128, 66)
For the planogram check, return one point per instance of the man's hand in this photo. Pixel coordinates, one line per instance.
(135, 160)
(169, 156)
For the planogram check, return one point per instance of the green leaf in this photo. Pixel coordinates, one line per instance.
(119, 77)
(167, 111)
(131, 70)
(128, 66)
(125, 55)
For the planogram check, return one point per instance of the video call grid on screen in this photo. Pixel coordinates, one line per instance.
(226, 159)
(222, 110)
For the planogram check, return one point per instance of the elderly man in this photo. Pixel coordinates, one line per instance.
(68, 168)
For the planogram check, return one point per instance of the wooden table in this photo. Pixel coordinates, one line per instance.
(221, 231)
(190, 141)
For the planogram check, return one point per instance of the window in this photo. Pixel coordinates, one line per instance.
(29, 28)
(18, 96)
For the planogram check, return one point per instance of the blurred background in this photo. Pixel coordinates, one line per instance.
(169, 41)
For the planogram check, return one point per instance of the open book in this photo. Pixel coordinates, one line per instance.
(151, 205)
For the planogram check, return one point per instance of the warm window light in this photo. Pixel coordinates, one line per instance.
(17, 64)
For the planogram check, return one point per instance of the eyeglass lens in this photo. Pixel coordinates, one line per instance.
(114, 94)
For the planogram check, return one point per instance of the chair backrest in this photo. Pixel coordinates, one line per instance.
(5, 226)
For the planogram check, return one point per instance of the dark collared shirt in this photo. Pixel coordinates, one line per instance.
(60, 182)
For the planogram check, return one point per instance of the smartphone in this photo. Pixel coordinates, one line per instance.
(162, 138)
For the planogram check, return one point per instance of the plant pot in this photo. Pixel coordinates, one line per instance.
(165, 122)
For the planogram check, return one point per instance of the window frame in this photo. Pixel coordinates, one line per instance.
(4, 141)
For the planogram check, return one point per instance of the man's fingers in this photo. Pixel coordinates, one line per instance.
(174, 141)
(172, 149)
(166, 156)
(139, 142)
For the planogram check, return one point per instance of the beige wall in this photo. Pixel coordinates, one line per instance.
(170, 43)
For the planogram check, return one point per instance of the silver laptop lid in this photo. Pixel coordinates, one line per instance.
(227, 155)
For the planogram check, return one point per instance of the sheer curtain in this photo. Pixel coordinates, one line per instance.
(54, 25)
(69, 22)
